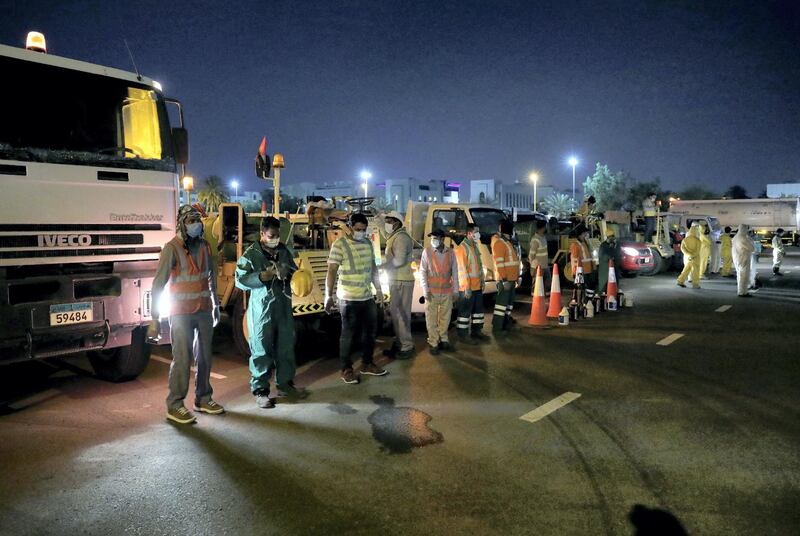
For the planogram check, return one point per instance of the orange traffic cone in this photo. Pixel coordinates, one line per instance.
(611, 289)
(554, 308)
(538, 316)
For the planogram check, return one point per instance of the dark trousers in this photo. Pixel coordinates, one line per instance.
(470, 314)
(649, 227)
(357, 315)
(503, 305)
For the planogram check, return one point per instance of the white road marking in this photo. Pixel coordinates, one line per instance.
(546, 409)
(666, 341)
(787, 272)
(723, 308)
(169, 362)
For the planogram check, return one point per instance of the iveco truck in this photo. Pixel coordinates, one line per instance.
(89, 177)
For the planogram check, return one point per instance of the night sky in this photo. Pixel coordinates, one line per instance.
(459, 89)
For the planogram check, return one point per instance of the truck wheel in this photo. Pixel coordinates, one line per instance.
(239, 320)
(658, 264)
(124, 363)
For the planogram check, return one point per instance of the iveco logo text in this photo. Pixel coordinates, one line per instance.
(61, 240)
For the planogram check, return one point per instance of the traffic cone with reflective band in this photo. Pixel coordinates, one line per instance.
(538, 315)
(554, 308)
(611, 288)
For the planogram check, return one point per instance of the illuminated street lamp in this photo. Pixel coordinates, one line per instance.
(235, 186)
(188, 186)
(534, 177)
(573, 162)
(365, 176)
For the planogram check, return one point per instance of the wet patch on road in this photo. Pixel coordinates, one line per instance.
(341, 409)
(399, 430)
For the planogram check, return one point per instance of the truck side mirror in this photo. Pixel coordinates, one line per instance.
(180, 142)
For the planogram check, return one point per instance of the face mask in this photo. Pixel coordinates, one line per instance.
(389, 228)
(435, 243)
(359, 235)
(194, 229)
(272, 242)
(476, 236)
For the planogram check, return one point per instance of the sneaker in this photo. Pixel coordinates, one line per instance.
(478, 336)
(180, 415)
(681, 284)
(445, 346)
(434, 350)
(210, 407)
(291, 391)
(745, 295)
(405, 354)
(348, 376)
(372, 370)
(263, 401)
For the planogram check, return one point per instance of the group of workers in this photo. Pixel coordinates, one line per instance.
(740, 252)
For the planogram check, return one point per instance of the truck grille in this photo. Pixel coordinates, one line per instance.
(76, 252)
(318, 264)
(32, 241)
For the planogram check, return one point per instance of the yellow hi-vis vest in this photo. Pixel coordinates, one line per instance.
(355, 271)
(649, 208)
(402, 273)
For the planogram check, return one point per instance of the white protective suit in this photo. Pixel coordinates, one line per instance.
(778, 252)
(742, 250)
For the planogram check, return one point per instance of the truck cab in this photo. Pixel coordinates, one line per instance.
(89, 166)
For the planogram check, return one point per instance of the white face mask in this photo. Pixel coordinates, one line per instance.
(389, 228)
(435, 243)
(476, 236)
(272, 242)
(359, 235)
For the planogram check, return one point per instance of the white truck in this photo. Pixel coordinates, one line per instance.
(764, 215)
(89, 170)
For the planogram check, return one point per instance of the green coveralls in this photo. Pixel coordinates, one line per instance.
(270, 323)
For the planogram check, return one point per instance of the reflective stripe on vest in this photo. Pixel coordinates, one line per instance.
(189, 291)
(401, 273)
(507, 266)
(440, 279)
(541, 249)
(355, 273)
(585, 259)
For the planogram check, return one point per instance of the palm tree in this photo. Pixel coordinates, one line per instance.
(213, 194)
(559, 205)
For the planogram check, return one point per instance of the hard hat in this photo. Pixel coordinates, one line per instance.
(394, 214)
(610, 233)
(302, 283)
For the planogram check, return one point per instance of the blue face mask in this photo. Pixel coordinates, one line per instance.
(194, 229)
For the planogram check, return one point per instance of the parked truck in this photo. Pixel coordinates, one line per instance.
(89, 169)
(765, 216)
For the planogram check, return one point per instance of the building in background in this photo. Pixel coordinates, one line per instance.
(508, 196)
(785, 189)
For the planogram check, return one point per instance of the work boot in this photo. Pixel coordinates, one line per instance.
(210, 407)
(263, 401)
(392, 351)
(681, 284)
(434, 350)
(445, 346)
(291, 391)
(405, 354)
(466, 339)
(181, 415)
(478, 336)
(348, 376)
(372, 370)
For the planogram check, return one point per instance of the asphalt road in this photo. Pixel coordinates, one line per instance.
(702, 433)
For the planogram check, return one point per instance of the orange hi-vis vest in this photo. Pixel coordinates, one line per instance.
(440, 273)
(188, 287)
(505, 258)
(579, 253)
(469, 266)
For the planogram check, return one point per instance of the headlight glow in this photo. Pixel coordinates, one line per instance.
(164, 305)
(629, 251)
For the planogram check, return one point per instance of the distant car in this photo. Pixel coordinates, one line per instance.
(636, 257)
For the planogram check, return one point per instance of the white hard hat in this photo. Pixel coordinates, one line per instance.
(394, 214)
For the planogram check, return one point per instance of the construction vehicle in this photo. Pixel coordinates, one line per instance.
(89, 166)
(764, 216)
(421, 218)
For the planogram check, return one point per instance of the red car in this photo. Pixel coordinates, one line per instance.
(636, 258)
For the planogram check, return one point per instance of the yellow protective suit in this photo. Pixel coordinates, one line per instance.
(705, 250)
(726, 253)
(691, 248)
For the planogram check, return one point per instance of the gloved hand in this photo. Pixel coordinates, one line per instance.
(329, 304)
(379, 297)
(468, 293)
(154, 330)
(428, 297)
(268, 274)
(216, 314)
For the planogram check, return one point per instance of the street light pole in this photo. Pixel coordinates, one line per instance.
(535, 178)
(573, 162)
(366, 176)
(235, 185)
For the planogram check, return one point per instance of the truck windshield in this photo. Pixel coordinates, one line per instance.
(57, 115)
(488, 219)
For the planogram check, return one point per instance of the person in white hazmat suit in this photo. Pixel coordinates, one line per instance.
(743, 249)
(778, 252)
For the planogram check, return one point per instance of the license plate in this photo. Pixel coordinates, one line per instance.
(71, 313)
